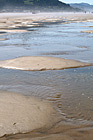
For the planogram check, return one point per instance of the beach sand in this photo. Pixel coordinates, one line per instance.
(21, 114)
(39, 63)
(63, 130)
(88, 31)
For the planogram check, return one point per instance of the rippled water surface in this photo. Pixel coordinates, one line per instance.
(61, 40)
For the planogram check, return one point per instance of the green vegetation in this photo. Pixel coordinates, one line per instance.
(29, 2)
(37, 4)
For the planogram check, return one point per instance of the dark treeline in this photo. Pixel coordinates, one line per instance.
(36, 4)
(11, 2)
(32, 2)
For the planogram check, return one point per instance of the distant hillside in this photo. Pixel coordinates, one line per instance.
(83, 6)
(42, 5)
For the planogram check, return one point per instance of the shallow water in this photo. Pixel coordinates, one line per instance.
(71, 90)
(62, 40)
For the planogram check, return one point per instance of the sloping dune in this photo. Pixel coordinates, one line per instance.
(38, 63)
(21, 114)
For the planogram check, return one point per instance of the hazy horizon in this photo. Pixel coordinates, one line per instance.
(77, 1)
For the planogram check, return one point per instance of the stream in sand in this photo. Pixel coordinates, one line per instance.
(70, 90)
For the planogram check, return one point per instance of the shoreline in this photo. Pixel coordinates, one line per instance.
(20, 22)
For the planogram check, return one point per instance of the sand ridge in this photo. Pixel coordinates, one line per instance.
(39, 63)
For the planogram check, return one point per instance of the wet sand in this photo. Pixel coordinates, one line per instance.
(64, 129)
(21, 114)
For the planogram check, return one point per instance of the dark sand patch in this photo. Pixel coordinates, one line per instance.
(65, 52)
(2, 32)
(51, 137)
(83, 47)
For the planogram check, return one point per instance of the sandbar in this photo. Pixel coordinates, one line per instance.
(40, 63)
(88, 31)
(14, 31)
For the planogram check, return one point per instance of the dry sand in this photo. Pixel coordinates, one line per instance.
(39, 63)
(20, 114)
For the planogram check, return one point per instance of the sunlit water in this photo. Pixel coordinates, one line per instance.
(72, 89)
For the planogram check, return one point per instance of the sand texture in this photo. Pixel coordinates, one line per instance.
(20, 114)
(39, 63)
